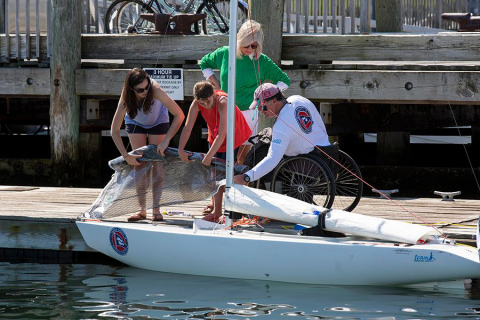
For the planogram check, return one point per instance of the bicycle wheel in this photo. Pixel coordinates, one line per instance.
(348, 187)
(123, 16)
(218, 16)
(306, 178)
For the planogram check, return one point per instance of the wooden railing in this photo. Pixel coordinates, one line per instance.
(351, 16)
(28, 19)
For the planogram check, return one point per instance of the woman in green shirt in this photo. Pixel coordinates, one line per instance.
(253, 69)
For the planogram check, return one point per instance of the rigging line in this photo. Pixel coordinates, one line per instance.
(464, 147)
(257, 77)
(460, 134)
(156, 63)
(338, 163)
(162, 41)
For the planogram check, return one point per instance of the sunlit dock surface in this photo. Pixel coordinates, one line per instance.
(38, 223)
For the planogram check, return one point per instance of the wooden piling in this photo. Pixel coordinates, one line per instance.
(270, 15)
(64, 102)
(388, 15)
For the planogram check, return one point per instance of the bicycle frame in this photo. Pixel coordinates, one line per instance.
(169, 9)
(210, 5)
(211, 10)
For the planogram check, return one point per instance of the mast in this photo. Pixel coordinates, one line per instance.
(232, 67)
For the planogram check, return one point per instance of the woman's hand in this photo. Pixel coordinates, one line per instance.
(132, 159)
(184, 156)
(207, 160)
(162, 146)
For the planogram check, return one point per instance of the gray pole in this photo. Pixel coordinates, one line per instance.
(269, 13)
(389, 15)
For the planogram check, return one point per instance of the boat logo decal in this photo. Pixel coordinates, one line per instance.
(304, 119)
(118, 240)
(429, 258)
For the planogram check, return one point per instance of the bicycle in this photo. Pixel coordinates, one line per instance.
(123, 16)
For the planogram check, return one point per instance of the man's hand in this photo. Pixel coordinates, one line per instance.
(238, 179)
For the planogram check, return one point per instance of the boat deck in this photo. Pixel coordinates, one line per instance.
(43, 218)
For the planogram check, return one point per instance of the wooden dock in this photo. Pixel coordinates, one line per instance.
(38, 223)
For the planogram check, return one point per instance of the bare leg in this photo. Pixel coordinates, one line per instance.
(157, 187)
(218, 203)
(242, 152)
(157, 180)
(138, 140)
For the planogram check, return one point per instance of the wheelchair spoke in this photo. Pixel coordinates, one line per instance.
(348, 187)
(305, 179)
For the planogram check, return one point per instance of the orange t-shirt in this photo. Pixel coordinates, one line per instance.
(212, 118)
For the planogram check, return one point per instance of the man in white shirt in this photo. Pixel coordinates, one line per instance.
(297, 129)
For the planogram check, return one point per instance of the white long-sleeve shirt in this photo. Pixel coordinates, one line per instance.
(297, 130)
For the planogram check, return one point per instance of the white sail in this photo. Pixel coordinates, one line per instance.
(279, 207)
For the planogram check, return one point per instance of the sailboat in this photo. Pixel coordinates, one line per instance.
(373, 251)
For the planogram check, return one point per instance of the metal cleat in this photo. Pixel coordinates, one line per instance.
(447, 196)
(387, 193)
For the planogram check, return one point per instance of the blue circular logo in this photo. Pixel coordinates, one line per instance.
(118, 240)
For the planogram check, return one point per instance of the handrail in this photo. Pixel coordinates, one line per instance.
(301, 16)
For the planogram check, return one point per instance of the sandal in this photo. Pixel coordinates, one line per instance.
(157, 217)
(208, 209)
(137, 217)
(210, 217)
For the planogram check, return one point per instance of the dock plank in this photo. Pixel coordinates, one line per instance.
(43, 217)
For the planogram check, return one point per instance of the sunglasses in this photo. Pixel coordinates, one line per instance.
(253, 46)
(142, 90)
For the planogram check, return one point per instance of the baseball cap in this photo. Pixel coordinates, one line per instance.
(264, 91)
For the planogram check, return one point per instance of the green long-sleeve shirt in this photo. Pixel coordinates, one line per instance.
(247, 79)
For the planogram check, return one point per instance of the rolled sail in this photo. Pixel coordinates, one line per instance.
(275, 206)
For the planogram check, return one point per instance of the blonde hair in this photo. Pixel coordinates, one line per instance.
(249, 31)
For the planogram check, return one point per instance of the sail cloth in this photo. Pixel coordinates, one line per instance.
(159, 181)
(279, 207)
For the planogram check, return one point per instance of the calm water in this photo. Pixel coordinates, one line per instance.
(33, 291)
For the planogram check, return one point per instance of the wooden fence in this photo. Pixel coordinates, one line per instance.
(352, 16)
(28, 19)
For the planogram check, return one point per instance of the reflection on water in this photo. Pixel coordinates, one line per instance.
(33, 291)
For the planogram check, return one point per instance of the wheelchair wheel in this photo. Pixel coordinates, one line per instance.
(348, 188)
(306, 178)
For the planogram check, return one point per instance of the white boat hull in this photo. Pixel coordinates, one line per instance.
(286, 258)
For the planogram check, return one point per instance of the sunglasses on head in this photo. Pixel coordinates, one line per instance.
(253, 46)
(142, 90)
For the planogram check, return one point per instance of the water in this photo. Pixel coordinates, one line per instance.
(34, 291)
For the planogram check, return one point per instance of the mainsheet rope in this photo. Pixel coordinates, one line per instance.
(257, 77)
(338, 163)
(460, 134)
(375, 189)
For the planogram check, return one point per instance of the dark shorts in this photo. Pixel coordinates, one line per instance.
(223, 155)
(162, 128)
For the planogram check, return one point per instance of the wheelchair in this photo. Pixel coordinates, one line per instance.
(309, 178)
